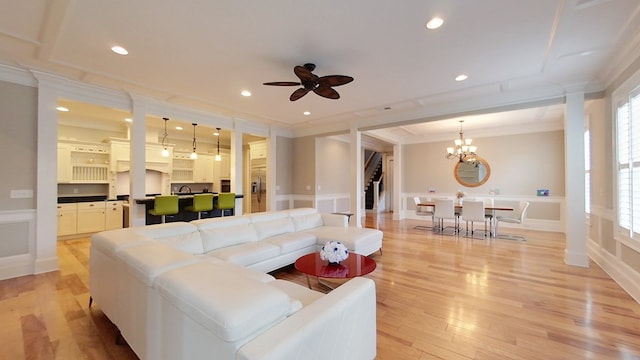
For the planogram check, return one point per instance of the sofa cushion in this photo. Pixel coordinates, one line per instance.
(165, 230)
(302, 211)
(307, 221)
(361, 241)
(292, 241)
(237, 270)
(111, 241)
(221, 222)
(189, 242)
(247, 253)
(219, 237)
(231, 307)
(267, 229)
(301, 293)
(148, 260)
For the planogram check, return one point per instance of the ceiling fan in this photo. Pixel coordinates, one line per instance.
(322, 86)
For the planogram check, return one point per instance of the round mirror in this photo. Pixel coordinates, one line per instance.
(472, 173)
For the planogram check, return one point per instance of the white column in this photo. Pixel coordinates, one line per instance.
(271, 171)
(137, 159)
(575, 228)
(237, 173)
(356, 176)
(398, 209)
(46, 217)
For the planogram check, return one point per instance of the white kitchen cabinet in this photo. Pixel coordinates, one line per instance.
(64, 163)
(91, 217)
(203, 169)
(67, 219)
(113, 215)
(119, 156)
(258, 149)
(223, 168)
(83, 163)
(182, 168)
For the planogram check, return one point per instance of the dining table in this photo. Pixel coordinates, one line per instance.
(489, 210)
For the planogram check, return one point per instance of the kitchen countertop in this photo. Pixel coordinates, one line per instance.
(78, 199)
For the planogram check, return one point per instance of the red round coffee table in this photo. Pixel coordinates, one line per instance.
(354, 265)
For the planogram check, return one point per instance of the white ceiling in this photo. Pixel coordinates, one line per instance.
(203, 53)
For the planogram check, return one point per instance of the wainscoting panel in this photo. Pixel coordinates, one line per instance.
(326, 203)
(17, 243)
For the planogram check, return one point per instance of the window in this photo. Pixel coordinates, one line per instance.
(587, 172)
(628, 162)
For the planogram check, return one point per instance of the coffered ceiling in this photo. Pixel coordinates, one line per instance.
(202, 54)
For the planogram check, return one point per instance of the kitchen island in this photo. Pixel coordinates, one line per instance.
(184, 200)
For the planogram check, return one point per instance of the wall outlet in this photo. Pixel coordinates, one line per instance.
(22, 194)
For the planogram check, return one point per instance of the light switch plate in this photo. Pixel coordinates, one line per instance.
(22, 194)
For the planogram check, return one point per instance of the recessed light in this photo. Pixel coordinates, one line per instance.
(434, 23)
(62, 108)
(307, 113)
(245, 93)
(178, 127)
(119, 50)
(461, 77)
(128, 120)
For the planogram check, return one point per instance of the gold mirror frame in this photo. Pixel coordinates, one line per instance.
(462, 180)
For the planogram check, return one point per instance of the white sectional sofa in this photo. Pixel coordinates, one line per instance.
(200, 290)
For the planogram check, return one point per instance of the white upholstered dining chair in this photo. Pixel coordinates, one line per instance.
(445, 210)
(473, 211)
(517, 218)
(424, 211)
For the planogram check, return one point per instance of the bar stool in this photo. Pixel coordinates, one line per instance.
(164, 205)
(226, 201)
(201, 202)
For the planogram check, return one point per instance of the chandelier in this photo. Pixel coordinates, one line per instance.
(463, 150)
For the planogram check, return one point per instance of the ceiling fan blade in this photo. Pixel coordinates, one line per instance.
(304, 74)
(334, 80)
(282, 83)
(327, 92)
(298, 94)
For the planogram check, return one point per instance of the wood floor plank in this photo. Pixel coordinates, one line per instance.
(438, 297)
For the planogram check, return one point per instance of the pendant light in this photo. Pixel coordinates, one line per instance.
(165, 151)
(218, 157)
(194, 155)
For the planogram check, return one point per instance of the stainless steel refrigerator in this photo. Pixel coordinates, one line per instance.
(258, 188)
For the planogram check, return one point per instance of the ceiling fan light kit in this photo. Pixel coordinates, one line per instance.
(322, 86)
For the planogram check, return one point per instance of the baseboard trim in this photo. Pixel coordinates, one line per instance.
(618, 271)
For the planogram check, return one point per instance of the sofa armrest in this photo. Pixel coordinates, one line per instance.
(335, 220)
(339, 325)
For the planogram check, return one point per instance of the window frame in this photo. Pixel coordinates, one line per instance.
(624, 96)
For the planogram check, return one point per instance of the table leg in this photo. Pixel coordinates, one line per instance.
(308, 281)
(326, 285)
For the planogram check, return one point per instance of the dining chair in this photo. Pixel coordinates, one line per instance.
(489, 214)
(424, 211)
(445, 210)
(472, 211)
(517, 219)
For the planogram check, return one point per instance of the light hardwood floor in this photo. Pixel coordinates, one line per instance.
(439, 297)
